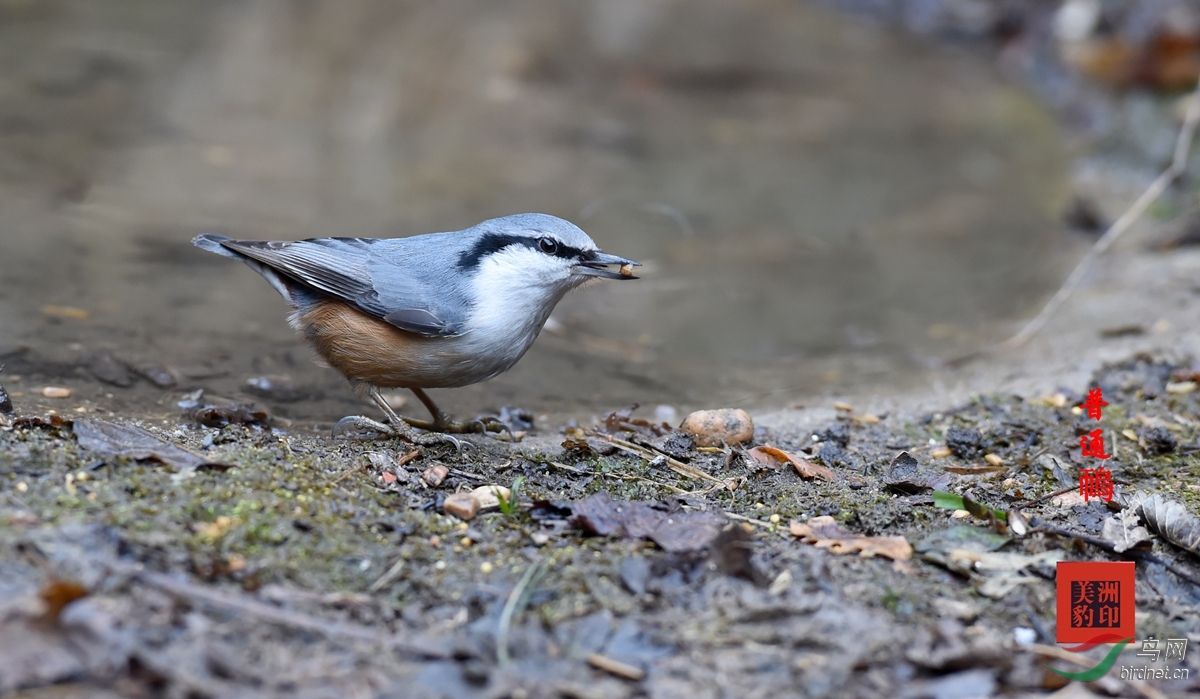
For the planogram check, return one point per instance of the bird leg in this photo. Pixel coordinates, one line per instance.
(397, 426)
(442, 422)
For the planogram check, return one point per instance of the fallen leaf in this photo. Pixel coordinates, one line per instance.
(1124, 530)
(775, 458)
(671, 529)
(1171, 520)
(108, 439)
(57, 594)
(904, 476)
(825, 533)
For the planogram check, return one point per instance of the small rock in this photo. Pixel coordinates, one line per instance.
(539, 538)
(461, 505)
(677, 444)
(157, 375)
(964, 442)
(435, 475)
(107, 368)
(56, 392)
(712, 428)
(488, 496)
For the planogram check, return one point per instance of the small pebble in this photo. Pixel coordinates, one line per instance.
(712, 428)
(774, 519)
(461, 505)
(434, 476)
(488, 496)
(22, 487)
(486, 567)
(539, 538)
(465, 542)
(440, 565)
(56, 392)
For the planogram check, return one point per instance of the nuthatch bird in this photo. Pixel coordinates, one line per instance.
(439, 310)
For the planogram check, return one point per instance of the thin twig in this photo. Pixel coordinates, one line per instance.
(1178, 166)
(1027, 503)
(387, 578)
(747, 520)
(1147, 556)
(245, 606)
(517, 599)
(674, 464)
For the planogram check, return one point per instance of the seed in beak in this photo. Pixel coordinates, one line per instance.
(626, 270)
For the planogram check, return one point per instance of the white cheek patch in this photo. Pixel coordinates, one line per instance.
(514, 291)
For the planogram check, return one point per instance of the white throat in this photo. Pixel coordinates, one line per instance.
(514, 290)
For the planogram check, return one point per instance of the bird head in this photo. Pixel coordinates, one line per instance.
(540, 251)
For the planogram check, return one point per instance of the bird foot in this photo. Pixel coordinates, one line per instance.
(444, 424)
(402, 430)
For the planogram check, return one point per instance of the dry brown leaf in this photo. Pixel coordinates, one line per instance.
(1125, 531)
(1171, 520)
(774, 457)
(824, 533)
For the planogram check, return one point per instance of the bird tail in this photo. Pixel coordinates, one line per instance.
(216, 243)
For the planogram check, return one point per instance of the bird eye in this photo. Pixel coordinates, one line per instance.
(548, 246)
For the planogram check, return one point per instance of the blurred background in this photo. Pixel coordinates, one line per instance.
(825, 194)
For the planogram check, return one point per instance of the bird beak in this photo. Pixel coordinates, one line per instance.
(595, 266)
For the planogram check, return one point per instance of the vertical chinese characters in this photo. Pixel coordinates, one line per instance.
(1094, 482)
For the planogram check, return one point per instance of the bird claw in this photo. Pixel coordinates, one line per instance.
(361, 423)
(403, 431)
(444, 424)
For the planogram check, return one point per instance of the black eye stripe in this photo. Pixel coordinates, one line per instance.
(491, 243)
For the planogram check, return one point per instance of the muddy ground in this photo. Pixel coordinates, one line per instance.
(288, 563)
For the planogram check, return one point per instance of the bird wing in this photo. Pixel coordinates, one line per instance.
(373, 275)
